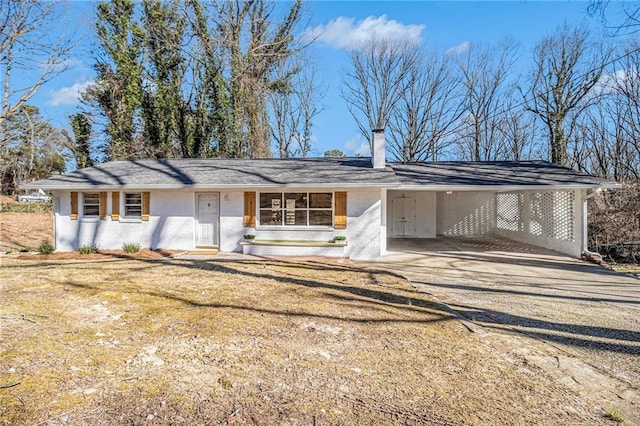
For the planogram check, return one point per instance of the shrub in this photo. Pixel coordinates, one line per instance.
(131, 247)
(88, 249)
(613, 414)
(46, 247)
(339, 238)
(249, 237)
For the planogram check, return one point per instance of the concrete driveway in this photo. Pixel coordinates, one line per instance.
(576, 320)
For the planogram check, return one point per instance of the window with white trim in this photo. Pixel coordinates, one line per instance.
(91, 204)
(296, 209)
(133, 204)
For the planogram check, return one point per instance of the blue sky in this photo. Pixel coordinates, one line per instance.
(436, 24)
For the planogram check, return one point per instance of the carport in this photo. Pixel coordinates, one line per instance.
(531, 202)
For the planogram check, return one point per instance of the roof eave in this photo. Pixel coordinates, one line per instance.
(142, 187)
(493, 188)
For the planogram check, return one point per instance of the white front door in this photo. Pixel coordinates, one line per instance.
(403, 216)
(207, 215)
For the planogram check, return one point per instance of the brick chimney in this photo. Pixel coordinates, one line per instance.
(378, 158)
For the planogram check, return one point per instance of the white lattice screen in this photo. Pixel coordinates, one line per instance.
(548, 214)
(509, 211)
(552, 214)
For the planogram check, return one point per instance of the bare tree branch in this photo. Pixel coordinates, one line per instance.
(377, 81)
(485, 72)
(428, 110)
(26, 44)
(567, 66)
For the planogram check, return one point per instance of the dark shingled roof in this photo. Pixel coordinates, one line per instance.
(319, 172)
(492, 173)
(178, 173)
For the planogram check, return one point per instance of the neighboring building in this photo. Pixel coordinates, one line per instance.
(297, 206)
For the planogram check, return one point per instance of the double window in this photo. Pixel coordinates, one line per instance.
(94, 204)
(296, 208)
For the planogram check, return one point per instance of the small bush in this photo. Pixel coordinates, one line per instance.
(339, 238)
(27, 207)
(613, 414)
(131, 247)
(249, 237)
(46, 247)
(88, 249)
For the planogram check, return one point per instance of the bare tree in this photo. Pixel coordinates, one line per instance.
(26, 44)
(567, 66)
(607, 137)
(33, 149)
(380, 74)
(427, 111)
(485, 71)
(294, 103)
(626, 85)
(517, 130)
(629, 13)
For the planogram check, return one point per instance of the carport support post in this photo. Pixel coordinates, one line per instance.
(383, 222)
(586, 194)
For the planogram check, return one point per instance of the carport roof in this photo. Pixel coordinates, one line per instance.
(499, 175)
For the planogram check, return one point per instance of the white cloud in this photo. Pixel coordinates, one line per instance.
(68, 95)
(344, 32)
(356, 147)
(459, 49)
(609, 82)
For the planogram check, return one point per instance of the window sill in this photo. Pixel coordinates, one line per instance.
(90, 219)
(130, 220)
(294, 243)
(293, 228)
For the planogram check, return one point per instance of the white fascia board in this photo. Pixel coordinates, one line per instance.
(504, 188)
(141, 187)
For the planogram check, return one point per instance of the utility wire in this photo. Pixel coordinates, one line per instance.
(525, 101)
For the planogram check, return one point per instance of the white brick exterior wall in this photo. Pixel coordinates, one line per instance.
(173, 229)
(465, 213)
(172, 225)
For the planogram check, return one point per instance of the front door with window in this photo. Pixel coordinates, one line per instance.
(403, 216)
(207, 215)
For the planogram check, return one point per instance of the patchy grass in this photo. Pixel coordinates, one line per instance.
(629, 268)
(9, 204)
(121, 341)
(614, 415)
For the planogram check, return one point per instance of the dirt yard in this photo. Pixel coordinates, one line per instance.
(114, 341)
